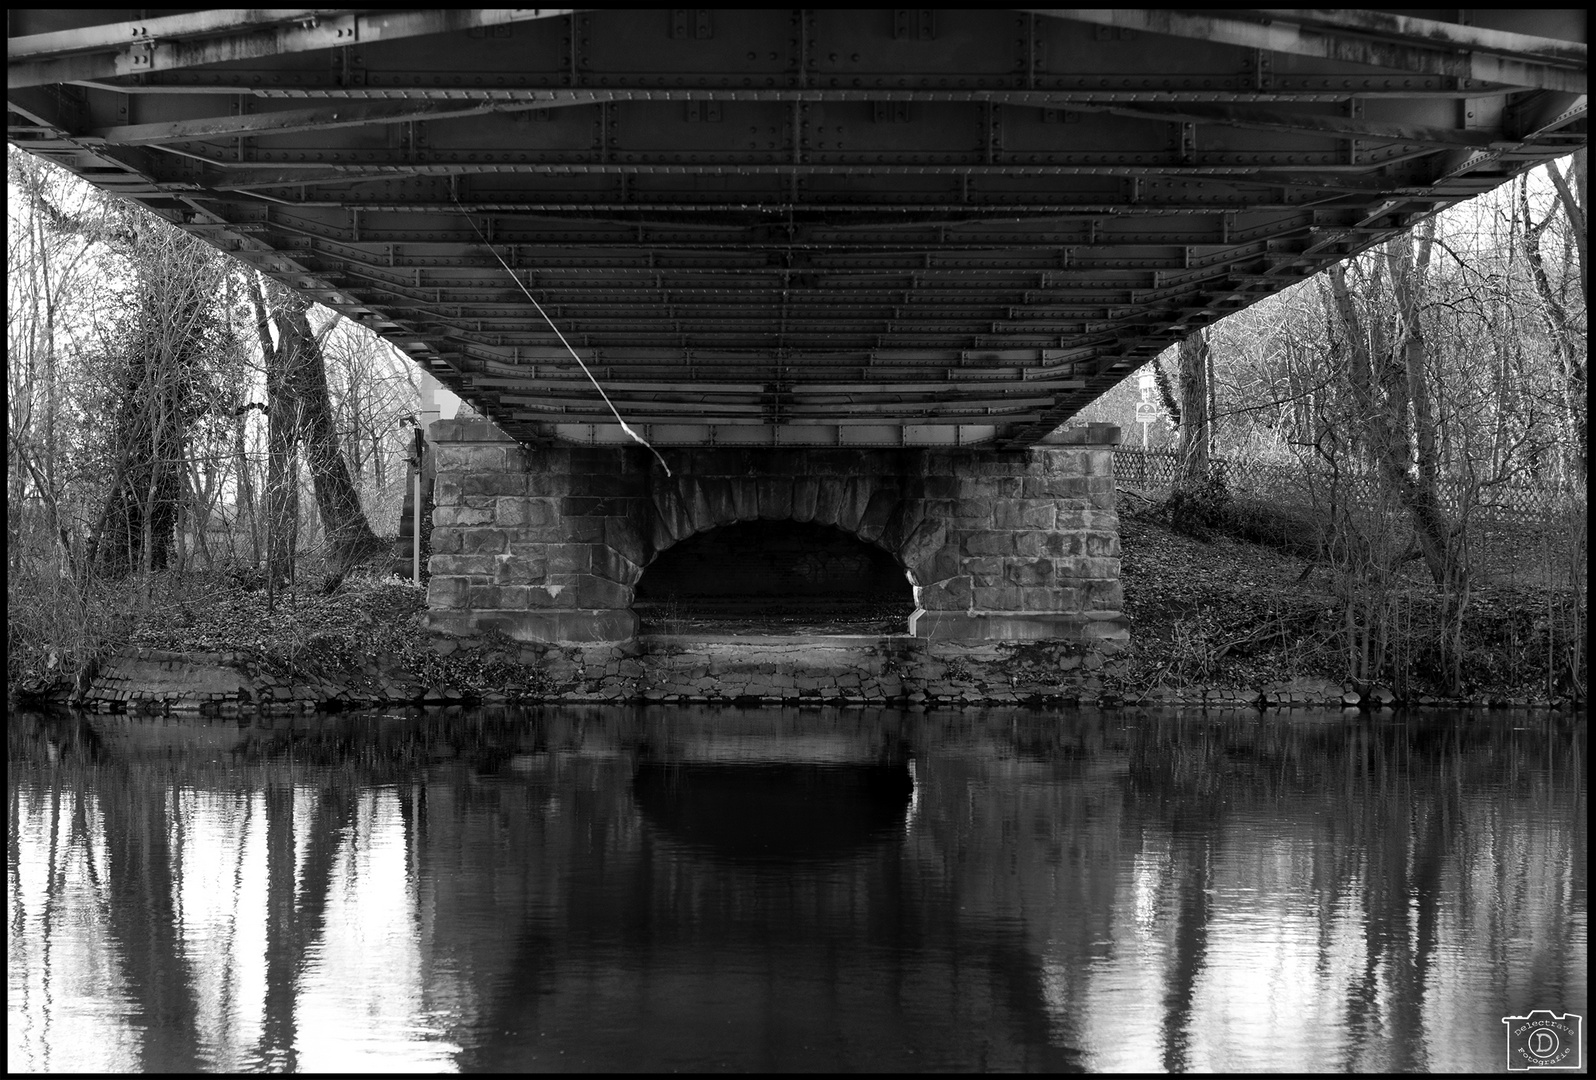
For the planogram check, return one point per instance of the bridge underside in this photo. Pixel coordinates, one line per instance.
(853, 227)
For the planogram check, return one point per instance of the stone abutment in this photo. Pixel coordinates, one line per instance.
(548, 543)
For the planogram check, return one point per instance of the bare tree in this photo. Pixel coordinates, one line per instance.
(1559, 310)
(161, 355)
(371, 396)
(1384, 354)
(50, 267)
(299, 410)
(282, 455)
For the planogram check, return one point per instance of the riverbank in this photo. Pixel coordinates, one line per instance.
(1221, 622)
(775, 670)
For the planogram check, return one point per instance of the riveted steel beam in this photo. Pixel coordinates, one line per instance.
(322, 118)
(1420, 46)
(1464, 37)
(342, 114)
(111, 37)
(253, 39)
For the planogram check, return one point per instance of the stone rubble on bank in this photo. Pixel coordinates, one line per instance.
(789, 670)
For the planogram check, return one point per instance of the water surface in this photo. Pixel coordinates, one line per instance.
(703, 889)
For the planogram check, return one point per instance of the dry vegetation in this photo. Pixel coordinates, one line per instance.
(1225, 611)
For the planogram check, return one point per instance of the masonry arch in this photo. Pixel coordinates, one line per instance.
(880, 507)
(772, 574)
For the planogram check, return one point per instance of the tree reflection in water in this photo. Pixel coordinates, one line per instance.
(589, 888)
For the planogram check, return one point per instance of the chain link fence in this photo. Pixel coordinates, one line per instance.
(1153, 472)
(1517, 534)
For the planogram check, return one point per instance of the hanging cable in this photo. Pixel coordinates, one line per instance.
(618, 419)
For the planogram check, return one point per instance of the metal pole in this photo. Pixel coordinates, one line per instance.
(415, 519)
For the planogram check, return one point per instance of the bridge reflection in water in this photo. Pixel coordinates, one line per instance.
(611, 889)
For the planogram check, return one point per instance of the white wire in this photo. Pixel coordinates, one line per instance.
(624, 425)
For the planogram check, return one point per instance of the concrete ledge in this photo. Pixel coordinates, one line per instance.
(1089, 435)
(1017, 626)
(836, 641)
(156, 674)
(468, 431)
(552, 627)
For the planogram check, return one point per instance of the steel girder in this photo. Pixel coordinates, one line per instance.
(789, 227)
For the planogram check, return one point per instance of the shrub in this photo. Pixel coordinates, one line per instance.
(1200, 507)
(1294, 530)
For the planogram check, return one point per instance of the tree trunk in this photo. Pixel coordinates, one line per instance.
(1195, 430)
(1567, 341)
(282, 436)
(297, 384)
(135, 527)
(347, 536)
(1165, 391)
(1386, 378)
(246, 485)
(282, 476)
(201, 501)
(1572, 199)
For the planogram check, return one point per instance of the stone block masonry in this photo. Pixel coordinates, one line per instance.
(548, 543)
(158, 680)
(797, 670)
(783, 669)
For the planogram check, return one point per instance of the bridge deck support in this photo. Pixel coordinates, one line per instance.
(546, 543)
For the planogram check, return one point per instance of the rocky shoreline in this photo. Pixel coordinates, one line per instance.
(673, 669)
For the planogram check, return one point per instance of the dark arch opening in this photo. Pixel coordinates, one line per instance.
(781, 576)
(776, 812)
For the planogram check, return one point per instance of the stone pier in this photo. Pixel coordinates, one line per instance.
(547, 543)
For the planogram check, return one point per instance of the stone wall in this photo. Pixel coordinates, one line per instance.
(155, 675)
(160, 680)
(548, 543)
(775, 670)
(783, 669)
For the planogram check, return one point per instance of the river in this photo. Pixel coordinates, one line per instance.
(779, 889)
